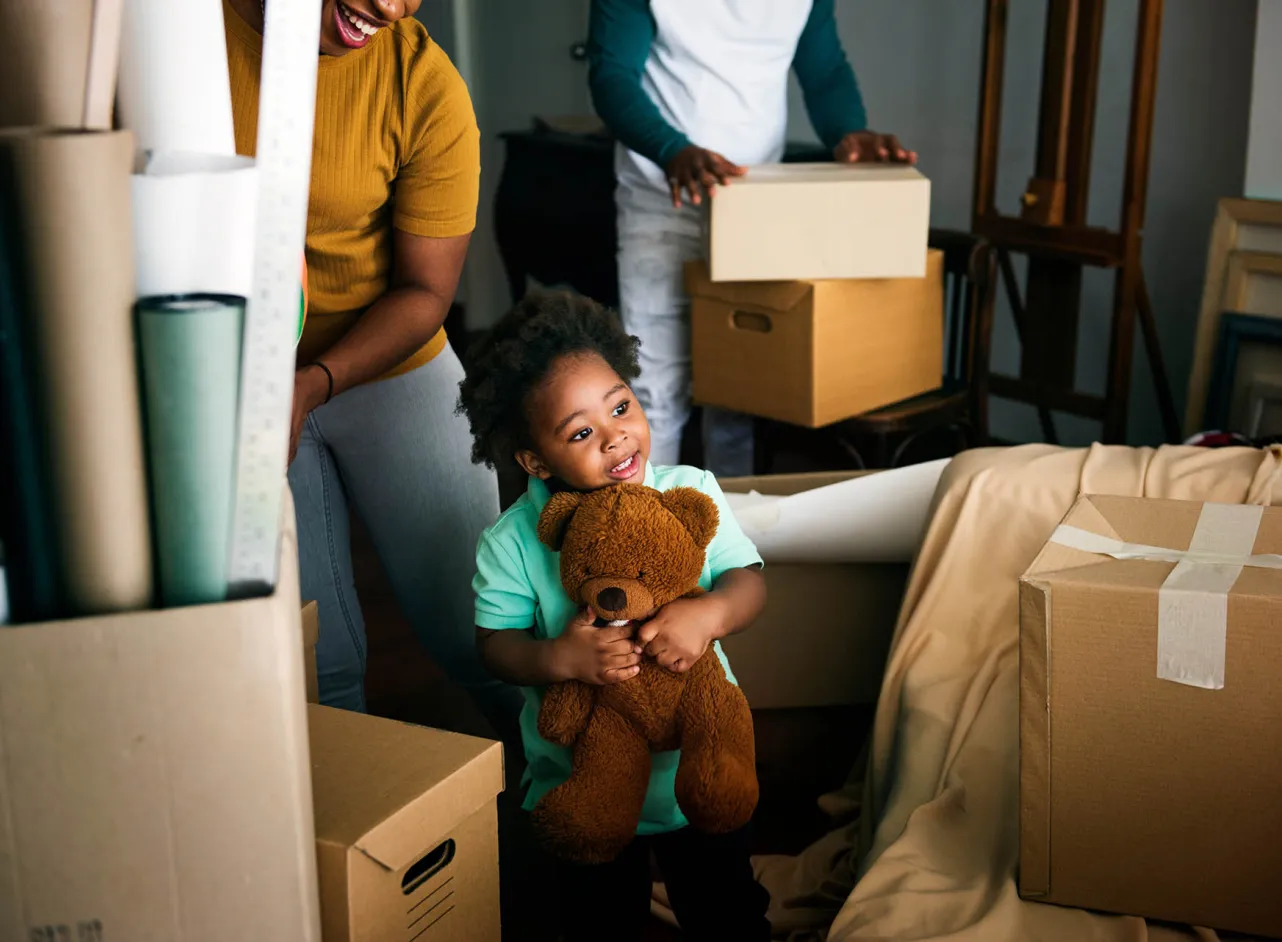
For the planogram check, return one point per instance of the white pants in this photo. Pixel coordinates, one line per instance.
(655, 242)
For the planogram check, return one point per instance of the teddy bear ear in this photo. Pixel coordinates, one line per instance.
(696, 511)
(556, 517)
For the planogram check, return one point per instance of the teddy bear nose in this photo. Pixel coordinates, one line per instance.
(612, 599)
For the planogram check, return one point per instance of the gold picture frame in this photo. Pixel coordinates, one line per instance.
(1248, 228)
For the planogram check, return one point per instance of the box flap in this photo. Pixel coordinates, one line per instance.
(785, 485)
(311, 623)
(771, 295)
(1152, 521)
(830, 172)
(392, 789)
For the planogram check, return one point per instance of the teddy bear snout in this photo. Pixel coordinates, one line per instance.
(612, 599)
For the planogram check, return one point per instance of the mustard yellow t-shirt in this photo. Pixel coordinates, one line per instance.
(395, 145)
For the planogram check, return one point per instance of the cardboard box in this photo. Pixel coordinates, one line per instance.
(154, 774)
(814, 221)
(826, 630)
(311, 634)
(1143, 788)
(815, 352)
(406, 830)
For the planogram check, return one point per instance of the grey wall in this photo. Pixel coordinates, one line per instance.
(918, 62)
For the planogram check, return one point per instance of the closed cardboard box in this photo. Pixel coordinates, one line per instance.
(1151, 714)
(816, 221)
(815, 352)
(824, 635)
(154, 775)
(406, 830)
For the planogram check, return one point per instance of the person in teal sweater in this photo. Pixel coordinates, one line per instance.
(696, 93)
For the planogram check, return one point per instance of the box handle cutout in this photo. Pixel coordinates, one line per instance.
(429, 864)
(750, 320)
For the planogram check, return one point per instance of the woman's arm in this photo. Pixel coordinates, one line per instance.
(425, 276)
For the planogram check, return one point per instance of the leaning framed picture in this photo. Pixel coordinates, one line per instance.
(1242, 227)
(1248, 361)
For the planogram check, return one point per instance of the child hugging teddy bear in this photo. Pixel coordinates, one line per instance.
(548, 388)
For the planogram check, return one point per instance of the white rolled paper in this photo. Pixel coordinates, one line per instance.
(875, 518)
(174, 92)
(194, 225)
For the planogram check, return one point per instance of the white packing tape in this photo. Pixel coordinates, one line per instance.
(1192, 607)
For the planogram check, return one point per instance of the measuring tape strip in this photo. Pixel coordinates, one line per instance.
(286, 109)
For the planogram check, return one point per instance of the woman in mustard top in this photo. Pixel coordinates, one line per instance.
(395, 178)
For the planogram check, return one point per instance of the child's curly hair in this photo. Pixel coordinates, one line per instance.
(514, 358)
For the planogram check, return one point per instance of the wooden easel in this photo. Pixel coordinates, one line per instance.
(1051, 228)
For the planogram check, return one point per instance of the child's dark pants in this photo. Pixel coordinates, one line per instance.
(709, 881)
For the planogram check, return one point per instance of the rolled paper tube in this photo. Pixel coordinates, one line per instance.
(194, 225)
(190, 347)
(44, 62)
(174, 93)
(72, 198)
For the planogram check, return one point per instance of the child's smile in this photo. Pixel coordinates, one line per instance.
(588, 430)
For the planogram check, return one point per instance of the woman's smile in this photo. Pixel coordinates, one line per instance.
(354, 30)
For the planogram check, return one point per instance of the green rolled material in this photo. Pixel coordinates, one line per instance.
(190, 349)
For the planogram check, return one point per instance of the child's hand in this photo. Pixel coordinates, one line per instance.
(596, 655)
(871, 147)
(682, 631)
(698, 171)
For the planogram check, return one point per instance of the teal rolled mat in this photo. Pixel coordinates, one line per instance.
(190, 352)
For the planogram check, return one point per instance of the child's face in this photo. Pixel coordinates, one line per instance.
(587, 428)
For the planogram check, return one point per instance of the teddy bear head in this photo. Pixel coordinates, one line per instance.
(627, 550)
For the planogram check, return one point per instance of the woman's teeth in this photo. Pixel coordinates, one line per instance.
(357, 22)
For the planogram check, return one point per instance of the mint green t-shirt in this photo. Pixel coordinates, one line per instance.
(518, 585)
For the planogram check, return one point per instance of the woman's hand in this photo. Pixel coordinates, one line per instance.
(311, 386)
(697, 171)
(871, 147)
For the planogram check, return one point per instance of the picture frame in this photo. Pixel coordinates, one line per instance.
(1237, 330)
(1244, 226)
(1253, 284)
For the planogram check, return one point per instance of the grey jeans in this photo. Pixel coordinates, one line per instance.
(655, 242)
(394, 451)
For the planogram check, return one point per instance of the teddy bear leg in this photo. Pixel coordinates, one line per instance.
(592, 816)
(716, 784)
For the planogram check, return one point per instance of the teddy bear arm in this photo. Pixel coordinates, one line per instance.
(564, 712)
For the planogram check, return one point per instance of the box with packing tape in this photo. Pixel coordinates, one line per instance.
(815, 352)
(1150, 713)
(406, 830)
(818, 221)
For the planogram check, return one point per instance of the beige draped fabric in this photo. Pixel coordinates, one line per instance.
(931, 844)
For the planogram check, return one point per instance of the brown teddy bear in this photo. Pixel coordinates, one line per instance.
(626, 551)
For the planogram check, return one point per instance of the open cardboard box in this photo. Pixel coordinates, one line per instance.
(823, 638)
(154, 774)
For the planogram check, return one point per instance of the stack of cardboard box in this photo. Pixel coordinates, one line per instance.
(818, 299)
